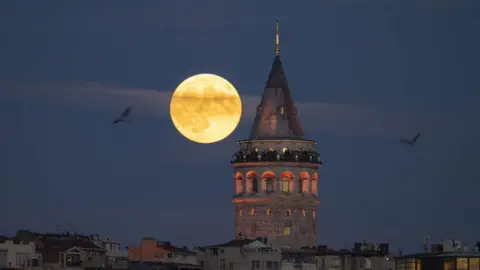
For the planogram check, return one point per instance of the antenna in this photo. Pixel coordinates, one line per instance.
(277, 41)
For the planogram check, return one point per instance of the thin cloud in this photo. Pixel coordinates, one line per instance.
(317, 117)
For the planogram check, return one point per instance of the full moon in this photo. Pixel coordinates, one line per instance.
(205, 108)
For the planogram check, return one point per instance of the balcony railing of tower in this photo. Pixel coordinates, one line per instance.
(274, 156)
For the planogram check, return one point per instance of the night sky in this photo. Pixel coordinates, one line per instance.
(363, 73)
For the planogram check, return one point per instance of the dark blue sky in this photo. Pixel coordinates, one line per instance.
(364, 74)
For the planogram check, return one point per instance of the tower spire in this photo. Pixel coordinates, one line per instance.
(277, 41)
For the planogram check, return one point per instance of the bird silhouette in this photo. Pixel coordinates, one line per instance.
(412, 141)
(123, 117)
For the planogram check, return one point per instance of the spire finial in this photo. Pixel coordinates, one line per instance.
(277, 41)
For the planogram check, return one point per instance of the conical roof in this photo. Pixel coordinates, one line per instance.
(277, 115)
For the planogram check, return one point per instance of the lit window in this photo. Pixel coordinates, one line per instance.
(474, 263)
(269, 212)
(448, 265)
(284, 149)
(304, 212)
(252, 212)
(240, 212)
(289, 213)
(418, 263)
(314, 213)
(462, 264)
(287, 230)
(314, 187)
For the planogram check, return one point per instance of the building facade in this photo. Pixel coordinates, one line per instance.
(439, 261)
(240, 254)
(275, 171)
(151, 250)
(116, 257)
(17, 254)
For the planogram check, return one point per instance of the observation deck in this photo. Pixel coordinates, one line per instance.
(271, 155)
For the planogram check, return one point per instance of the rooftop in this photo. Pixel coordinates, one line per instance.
(277, 115)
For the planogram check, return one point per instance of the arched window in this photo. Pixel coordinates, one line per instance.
(304, 213)
(252, 212)
(269, 185)
(238, 183)
(255, 186)
(252, 185)
(268, 181)
(240, 212)
(305, 180)
(287, 230)
(315, 183)
(269, 212)
(285, 185)
(286, 182)
(289, 212)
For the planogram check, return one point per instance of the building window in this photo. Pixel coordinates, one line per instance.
(300, 185)
(418, 264)
(314, 213)
(252, 212)
(269, 185)
(276, 264)
(170, 255)
(335, 263)
(304, 213)
(448, 265)
(287, 230)
(20, 258)
(251, 177)
(222, 263)
(284, 150)
(368, 264)
(240, 212)
(255, 264)
(462, 264)
(289, 212)
(254, 185)
(269, 264)
(314, 187)
(285, 185)
(474, 263)
(269, 212)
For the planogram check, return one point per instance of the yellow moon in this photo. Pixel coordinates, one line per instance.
(205, 108)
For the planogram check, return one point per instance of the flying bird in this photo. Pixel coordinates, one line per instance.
(123, 117)
(412, 141)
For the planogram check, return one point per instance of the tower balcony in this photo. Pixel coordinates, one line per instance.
(307, 156)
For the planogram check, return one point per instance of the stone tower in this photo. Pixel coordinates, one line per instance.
(275, 171)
